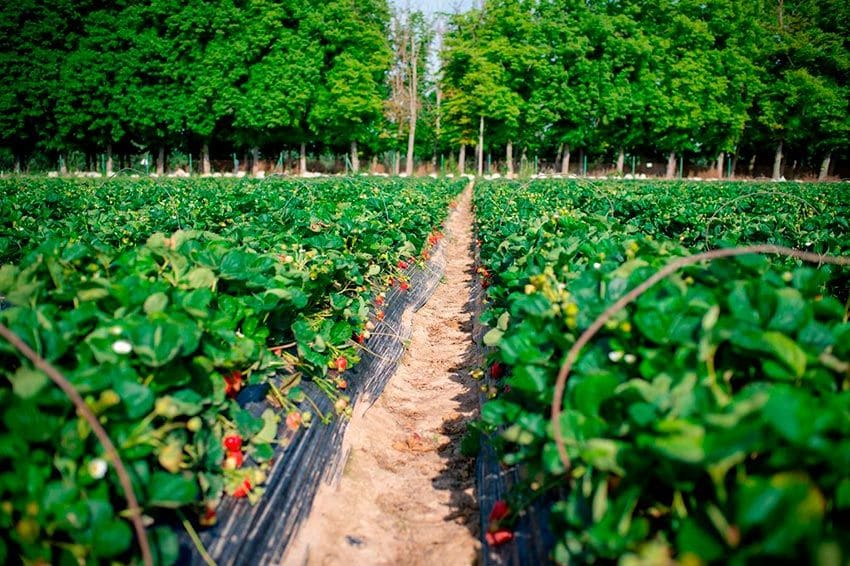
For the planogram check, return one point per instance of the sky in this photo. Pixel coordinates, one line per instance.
(432, 6)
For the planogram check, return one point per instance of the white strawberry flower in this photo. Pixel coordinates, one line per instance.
(97, 468)
(122, 347)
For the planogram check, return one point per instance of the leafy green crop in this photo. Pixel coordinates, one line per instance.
(160, 302)
(707, 422)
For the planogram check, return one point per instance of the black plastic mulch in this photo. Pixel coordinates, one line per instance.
(259, 534)
(533, 539)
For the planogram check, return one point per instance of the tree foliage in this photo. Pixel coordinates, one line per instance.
(652, 77)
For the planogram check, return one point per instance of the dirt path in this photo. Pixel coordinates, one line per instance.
(406, 492)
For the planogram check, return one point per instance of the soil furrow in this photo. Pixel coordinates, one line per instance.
(406, 492)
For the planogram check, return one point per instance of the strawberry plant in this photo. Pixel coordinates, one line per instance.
(163, 303)
(706, 422)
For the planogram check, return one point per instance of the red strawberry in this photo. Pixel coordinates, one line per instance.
(497, 370)
(341, 364)
(233, 443)
(499, 537)
(359, 338)
(500, 511)
(233, 383)
(404, 286)
(402, 264)
(426, 254)
(379, 315)
(243, 489)
(379, 300)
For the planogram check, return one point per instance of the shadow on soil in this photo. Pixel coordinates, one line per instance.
(458, 474)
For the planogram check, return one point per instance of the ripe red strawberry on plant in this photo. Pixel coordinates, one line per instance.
(499, 511)
(243, 489)
(499, 537)
(403, 264)
(233, 442)
(341, 364)
(359, 338)
(233, 383)
(496, 534)
(404, 286)
(497, 370)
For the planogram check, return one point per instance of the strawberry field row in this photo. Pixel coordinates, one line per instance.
(709, 420)
(162, 302)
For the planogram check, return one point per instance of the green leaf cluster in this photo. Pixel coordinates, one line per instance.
(706, 421)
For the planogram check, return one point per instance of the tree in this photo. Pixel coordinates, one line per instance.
(91, 92)
(35, 37)
(803, 105)
(480, 69)
(349, 98)
(411, 37)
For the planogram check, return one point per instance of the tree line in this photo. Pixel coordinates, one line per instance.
(747, 87)
(712, 80)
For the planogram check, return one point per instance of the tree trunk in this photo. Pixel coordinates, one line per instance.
(302, 160)
(355, 159)
(17, 166)
(824, 167)
(160, 161)
(720, 160)
(671, 165)
(481, 146)
(255, 161)
(414, 88)
(581, 162)
(461, 159)
(565, 161)
(63, 164)
(205, 158)
(621, 160)
(509, 155)
(396, 162)
(109, 159)
(437, 121)
(777, 163)
(752, 165)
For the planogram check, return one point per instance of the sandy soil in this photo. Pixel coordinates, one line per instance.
(406, 493)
